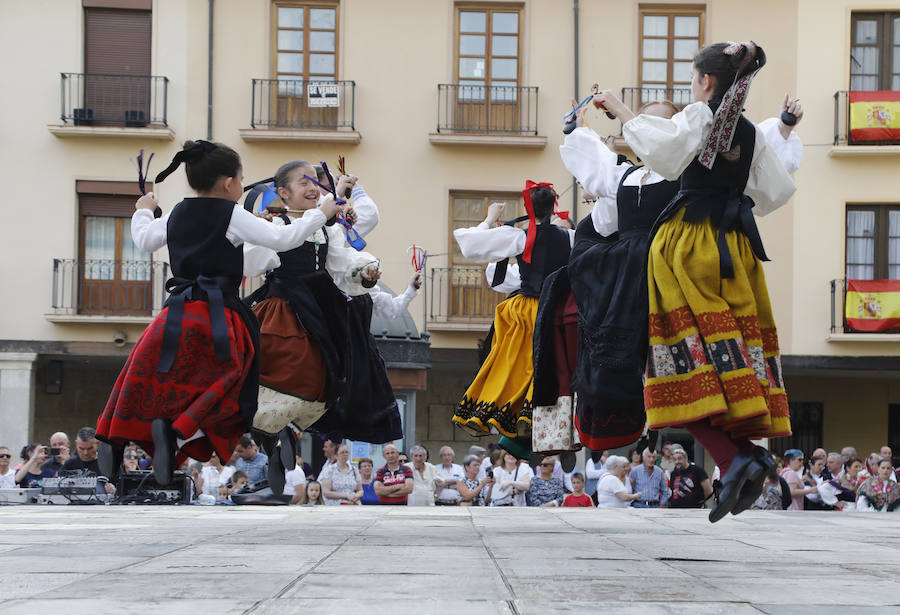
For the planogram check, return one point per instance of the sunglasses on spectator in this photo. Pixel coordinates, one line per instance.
(5, 456)
(546, 465)
(130, 456)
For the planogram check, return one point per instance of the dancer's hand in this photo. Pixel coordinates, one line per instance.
(148, 201)
(329, 208)
(791, 105)
(495, 210)
(371, 272)
(416, 281)
(610, 102)
(350, 215)
(344, 182)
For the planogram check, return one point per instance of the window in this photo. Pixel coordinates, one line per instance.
(304, 49)
(488, 52)
(468, 293)
(875, 51)
(670, 36)
(304, 44)
(117, 86)
(113, 275)
(806, 425)
(873, 242)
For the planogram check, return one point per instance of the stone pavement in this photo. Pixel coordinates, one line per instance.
(394, 561)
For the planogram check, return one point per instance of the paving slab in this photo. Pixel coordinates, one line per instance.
(260, 561)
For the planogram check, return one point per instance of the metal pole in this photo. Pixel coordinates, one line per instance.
(576, 96)
(209, 95)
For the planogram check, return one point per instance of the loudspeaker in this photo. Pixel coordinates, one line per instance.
(141, 488)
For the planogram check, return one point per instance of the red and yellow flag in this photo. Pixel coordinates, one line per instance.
(873, 305)
(875, 116)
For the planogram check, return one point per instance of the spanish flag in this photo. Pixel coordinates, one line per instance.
(873, 305)
(874, 116)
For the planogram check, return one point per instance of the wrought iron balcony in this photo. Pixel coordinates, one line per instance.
(460, 294)
(487, 109)
(102, 287)
(113, 100)
(635, 98)
(867, 310)
(299, 104)
(846, 133)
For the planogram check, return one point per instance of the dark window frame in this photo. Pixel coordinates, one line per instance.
(884, 44)
(882, 237)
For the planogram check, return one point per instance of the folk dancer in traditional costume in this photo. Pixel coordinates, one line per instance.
(500, 396)
(303, 313)
(607, 274)
(714, 364)
(191, 381)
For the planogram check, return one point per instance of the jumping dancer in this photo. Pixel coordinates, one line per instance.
(714, 363)
(190, 383)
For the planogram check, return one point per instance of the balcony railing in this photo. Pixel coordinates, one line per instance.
(484, 109)
(867, 302)
(108, 287)
(299, 104)
(113, 100)
(635, 98)
(461, 294)
(843, 131)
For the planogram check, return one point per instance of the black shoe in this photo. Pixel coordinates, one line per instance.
(567, 460)
(288, 448)
(276, 472)
(109, 458)
(743, 468)
(259, 494)
(753, 488)
(164, 448)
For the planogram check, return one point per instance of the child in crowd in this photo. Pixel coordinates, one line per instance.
(578, 497)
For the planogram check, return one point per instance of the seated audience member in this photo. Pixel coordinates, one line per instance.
(312, 494)
(578, 497)
(689, 484)
(426, 481)
(814, 477)
(86, 446)
(295, 481)
(792, 475)
(54, 464)
(393, 481)
(512, 480)
(470, 488)
(237, 480)
(341, 482)
(611, 490)
(30, 472)
(7, 474)
(130, 461)
(215, 474)
(546, 490)
(250, 460)
(366, 467)
(880, 492)
(834, 466)
(650, 480)
(770, 498)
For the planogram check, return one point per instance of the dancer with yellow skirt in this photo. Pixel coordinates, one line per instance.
(499, 399)
(714, 365)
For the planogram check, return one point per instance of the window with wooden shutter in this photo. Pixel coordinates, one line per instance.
(873, 242)
(875, 51)
(117, 82)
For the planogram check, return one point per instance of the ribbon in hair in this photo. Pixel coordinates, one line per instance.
(729, 111)
(532, 221)
(192, 154)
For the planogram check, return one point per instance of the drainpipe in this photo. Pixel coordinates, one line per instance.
(576, 96)
(209, 79)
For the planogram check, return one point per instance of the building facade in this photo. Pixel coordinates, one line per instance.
(440, 107)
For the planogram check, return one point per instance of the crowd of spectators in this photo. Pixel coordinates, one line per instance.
(642, 479)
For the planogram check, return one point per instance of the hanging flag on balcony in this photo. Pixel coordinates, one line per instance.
(873, 305)
(875, 116)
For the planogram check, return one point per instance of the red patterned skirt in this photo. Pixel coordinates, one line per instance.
(198, 392)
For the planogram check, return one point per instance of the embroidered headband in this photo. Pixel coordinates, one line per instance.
(192, 154)
(753, 58)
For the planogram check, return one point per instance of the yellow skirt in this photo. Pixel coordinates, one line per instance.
(713, 343)
(500, 395)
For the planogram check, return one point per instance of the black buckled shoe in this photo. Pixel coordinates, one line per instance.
(752, 489)
(743, 468)
(165, 446)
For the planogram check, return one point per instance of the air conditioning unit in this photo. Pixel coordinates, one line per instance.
(135, 118)
(83, 117)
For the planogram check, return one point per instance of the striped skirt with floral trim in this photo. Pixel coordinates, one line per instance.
(713, 343)
(500, 396)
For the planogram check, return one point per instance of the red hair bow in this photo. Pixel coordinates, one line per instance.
(532, 222)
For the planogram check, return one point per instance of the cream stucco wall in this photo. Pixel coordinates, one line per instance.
(397, 51)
